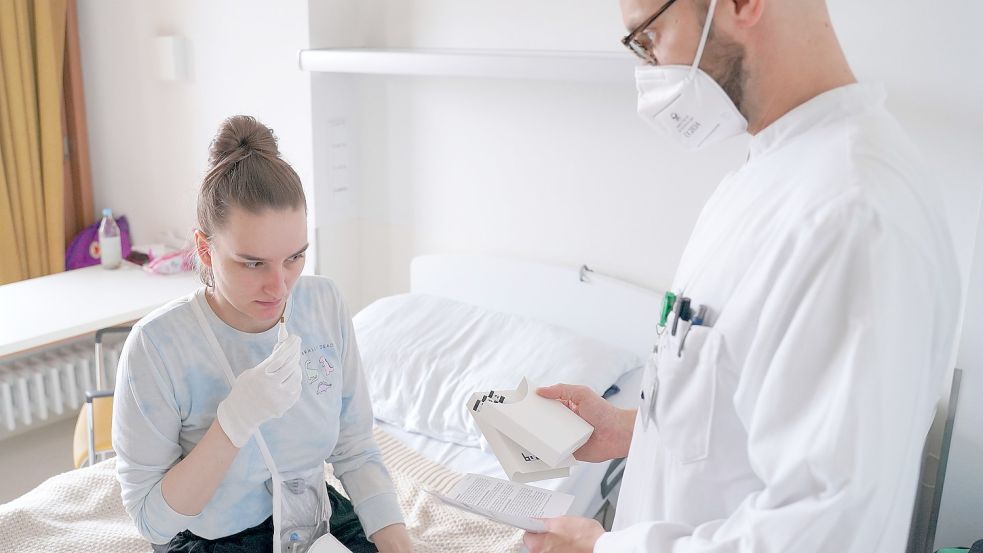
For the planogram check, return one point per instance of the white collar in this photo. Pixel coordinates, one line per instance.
(830, 106)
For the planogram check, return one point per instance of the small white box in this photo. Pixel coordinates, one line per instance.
(519, 464)
(520, 422)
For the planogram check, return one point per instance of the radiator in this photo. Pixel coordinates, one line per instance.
(50, 384)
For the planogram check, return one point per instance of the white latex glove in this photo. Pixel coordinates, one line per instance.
(263, 392)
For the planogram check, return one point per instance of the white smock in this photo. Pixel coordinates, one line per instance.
(796, 421)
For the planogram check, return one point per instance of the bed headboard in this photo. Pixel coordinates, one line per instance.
(613, 311)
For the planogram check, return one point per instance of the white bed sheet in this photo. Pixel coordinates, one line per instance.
(585, 478)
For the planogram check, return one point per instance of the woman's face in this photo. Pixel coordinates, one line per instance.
(255, 258)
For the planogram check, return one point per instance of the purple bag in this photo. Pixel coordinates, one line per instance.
(84, 249)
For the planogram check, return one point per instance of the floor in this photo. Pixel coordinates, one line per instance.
(28, 459)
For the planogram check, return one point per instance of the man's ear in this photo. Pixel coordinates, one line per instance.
(201, 246)
(745, 13)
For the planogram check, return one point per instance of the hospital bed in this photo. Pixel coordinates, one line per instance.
(616, 313)
(81, 509)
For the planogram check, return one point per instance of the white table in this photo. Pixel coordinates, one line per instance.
(42, 311)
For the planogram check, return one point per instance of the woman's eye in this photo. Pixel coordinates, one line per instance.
(252, 264)
(296, 257)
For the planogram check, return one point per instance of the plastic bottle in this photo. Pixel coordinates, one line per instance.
(110, 249)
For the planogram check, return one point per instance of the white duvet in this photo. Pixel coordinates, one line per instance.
(423, 357)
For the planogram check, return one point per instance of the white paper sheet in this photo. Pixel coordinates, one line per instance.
(514, 504)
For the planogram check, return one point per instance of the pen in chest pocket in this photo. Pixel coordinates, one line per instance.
(681, 311)
(686, 315)
(696, 317)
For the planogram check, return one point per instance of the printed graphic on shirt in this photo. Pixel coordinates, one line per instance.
(320, 362)
(310, 372)
(326, 366)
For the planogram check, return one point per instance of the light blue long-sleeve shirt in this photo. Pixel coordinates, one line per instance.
(168, 388)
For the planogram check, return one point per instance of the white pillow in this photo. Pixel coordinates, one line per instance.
(424, 355)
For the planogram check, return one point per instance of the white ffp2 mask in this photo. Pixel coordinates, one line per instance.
(686, 103)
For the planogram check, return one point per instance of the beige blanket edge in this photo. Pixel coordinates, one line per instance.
(80, 510)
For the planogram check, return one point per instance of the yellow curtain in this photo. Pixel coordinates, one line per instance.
(79, 212)
(32, 217)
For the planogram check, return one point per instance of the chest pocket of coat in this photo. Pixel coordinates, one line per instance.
(687, 392)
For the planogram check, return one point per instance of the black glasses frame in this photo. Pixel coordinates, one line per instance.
(631, 41)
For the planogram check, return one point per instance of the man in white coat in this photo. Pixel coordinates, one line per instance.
(788, 414)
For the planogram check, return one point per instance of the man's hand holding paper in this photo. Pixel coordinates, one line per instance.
(514, 504)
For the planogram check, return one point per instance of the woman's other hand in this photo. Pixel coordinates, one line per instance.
(393, 539)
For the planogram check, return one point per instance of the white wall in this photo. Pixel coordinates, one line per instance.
(570, 162)
(566, 173)
(149, 138)
(556, 172)
(553, 171)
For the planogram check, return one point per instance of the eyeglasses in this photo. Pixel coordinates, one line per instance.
(639, 41)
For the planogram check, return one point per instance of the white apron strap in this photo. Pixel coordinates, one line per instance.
(223, 361)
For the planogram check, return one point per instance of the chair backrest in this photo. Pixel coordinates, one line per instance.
(96, 439)
(935, 457)
(93, 428)
(100, 372)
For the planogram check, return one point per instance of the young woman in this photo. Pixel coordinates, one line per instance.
(229, 401)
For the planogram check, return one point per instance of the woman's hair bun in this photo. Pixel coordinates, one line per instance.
(240, 136)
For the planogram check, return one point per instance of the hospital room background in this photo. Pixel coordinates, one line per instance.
(513, 135)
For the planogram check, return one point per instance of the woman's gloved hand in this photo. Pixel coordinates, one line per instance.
(263, 392)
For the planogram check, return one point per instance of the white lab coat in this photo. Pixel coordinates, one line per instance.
(795, 422)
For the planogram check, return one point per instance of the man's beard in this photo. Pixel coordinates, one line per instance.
(724, 61)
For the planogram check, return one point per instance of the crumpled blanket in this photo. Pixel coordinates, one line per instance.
(81, 511)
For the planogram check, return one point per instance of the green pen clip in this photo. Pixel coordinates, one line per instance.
(668, 301)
